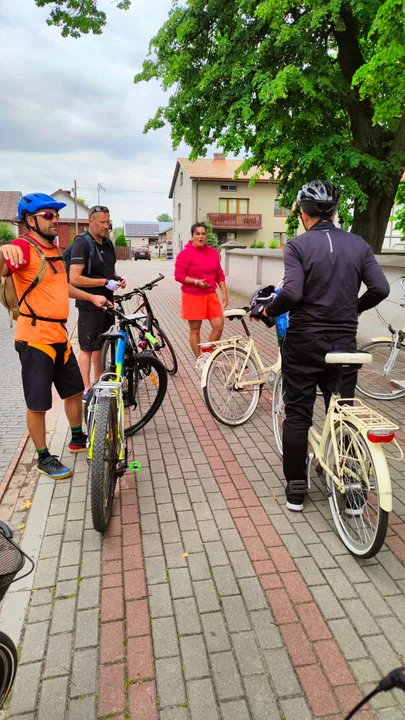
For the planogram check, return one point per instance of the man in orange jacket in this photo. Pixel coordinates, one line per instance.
(41, 337)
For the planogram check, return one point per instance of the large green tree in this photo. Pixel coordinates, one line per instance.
(164, 217)
(304, 89)
(77, 17)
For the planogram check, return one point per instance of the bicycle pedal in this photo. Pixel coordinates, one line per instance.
(135, 466)
(319, 471)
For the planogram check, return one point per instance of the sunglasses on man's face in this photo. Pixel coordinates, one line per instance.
(48, 215)
(97, 209)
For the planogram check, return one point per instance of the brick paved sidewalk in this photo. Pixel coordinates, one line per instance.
(207, 600)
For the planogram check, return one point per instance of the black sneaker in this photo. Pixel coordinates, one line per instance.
(78, 443)
(53, 468)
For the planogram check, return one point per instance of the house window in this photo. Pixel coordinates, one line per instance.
(229, 188)
(180, 244)
(181, 178)
(233, 205)
(281, 238)
(179, 211)
(280, 211)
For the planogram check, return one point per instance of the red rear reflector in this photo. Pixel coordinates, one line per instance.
(382, 436)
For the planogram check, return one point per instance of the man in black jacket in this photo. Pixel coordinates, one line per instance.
(324, 269)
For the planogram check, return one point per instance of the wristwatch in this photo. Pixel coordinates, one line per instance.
(195, 282)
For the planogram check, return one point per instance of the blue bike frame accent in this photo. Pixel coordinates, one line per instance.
(120, 352)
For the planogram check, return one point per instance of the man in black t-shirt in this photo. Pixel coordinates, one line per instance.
(101, 280)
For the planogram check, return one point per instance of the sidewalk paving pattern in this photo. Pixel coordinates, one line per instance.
(206, 599)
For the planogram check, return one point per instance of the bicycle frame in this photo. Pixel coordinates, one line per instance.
(110, 385)
(248, 345)
(359, 420)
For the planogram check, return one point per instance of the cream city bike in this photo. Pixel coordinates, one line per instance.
(234, 375)
(384, 378)
(351, 461)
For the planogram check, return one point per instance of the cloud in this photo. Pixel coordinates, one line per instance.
(70, 109)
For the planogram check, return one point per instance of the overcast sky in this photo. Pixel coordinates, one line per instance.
(69, 109)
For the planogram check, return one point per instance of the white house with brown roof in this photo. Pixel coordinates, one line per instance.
(206, 189)
(9, 200)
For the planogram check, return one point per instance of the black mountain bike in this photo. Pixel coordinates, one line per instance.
(143, 375)
(145, 329)
(12, 559)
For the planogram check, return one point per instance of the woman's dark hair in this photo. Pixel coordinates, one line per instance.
(196, 225)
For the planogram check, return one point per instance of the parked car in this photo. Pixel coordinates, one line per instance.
(142, 254)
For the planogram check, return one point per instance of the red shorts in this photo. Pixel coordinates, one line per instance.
(200, 307)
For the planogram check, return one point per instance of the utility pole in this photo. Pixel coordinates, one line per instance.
(75, 197)
(99, 187)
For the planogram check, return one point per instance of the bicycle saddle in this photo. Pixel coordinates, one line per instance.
(235, 313)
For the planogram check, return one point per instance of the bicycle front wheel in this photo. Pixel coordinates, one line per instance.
(360, 521)
(147, 385)
(103, 465)
(229, 404)
(377, 380)
(278, 411)
(164, 350)
(8, 666)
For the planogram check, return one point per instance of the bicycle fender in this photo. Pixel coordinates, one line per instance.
(382, 339)
(206, 366)
(383, 473)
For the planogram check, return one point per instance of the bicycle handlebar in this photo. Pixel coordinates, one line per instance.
(138, 291)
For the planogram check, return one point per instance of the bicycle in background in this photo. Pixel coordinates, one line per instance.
(384, 378)
(149, 335)
(133, 380)
(234, 375)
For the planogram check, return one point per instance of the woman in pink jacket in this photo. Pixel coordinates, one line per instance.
(199, 271)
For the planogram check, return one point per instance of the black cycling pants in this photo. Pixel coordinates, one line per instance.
(304, 368)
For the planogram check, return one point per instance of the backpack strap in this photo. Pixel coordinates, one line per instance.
(41, 271)
(37, 279)
(93, 248)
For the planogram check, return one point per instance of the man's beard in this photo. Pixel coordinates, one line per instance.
(47, 236)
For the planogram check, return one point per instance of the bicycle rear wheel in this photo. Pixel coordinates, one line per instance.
(147, 385)
(228, 404)
(360, 521)
(164, 351)
(103, 465)
(278, 411)
(8, 666)
(373, 380)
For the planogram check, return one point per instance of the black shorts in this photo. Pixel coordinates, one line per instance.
(91, 324)
(40, 369)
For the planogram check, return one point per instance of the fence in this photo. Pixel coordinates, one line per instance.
(246, 270)
(121, 253)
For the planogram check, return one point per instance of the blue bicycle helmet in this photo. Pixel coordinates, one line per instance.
(33, 202)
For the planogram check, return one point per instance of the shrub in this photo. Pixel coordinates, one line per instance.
(121, 241)
(6, 235)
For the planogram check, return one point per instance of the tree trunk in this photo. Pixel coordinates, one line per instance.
(372, 222)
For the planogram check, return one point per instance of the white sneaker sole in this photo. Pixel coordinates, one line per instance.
(295, 508)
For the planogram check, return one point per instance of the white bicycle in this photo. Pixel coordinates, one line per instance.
(350, 461)
(234, 375)
(384, 378)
